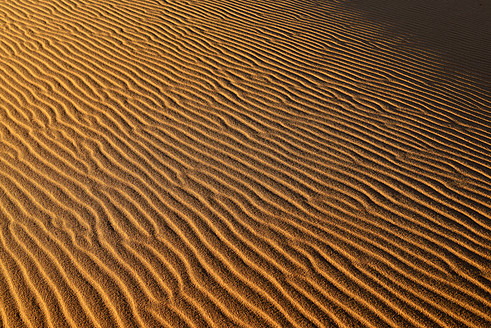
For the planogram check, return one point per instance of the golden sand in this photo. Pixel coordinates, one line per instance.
(245, 163)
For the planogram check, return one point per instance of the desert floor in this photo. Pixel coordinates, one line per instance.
(238, 163)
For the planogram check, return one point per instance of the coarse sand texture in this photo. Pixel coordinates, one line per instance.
(240, 163)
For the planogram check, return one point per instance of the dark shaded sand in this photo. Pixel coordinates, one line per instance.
(245, 163)
(460, 31)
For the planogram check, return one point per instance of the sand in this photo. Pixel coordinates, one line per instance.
(245, 163)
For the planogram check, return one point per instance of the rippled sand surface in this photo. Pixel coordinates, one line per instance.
(245, 163)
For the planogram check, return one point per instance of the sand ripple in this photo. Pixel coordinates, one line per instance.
(237, 164)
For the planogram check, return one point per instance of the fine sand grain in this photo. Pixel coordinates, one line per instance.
(243, 163)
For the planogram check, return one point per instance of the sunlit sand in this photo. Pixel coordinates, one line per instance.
(245, 163)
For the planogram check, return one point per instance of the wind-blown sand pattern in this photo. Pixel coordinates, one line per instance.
(243, 164)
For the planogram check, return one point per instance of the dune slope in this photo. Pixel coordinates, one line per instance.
(240, 164)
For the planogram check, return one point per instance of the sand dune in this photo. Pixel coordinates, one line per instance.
(244, 164)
